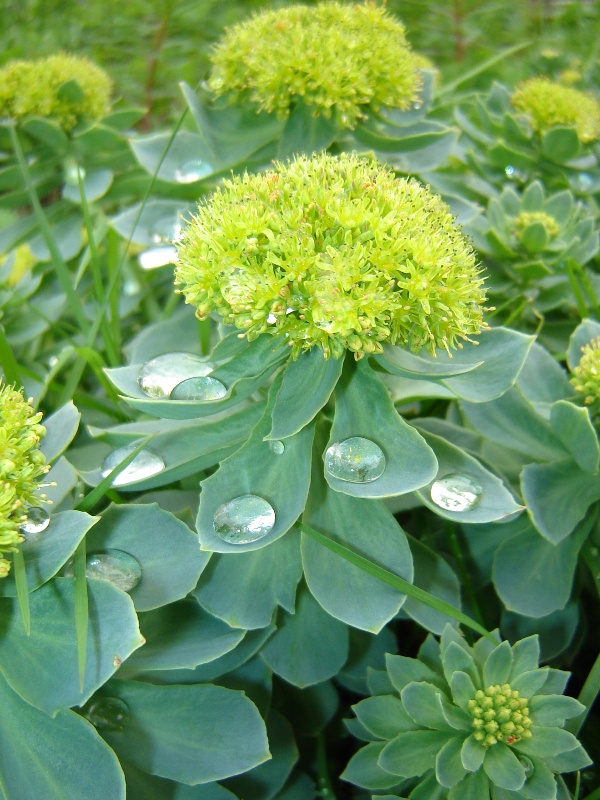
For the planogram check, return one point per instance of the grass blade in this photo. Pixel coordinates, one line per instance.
(396, 582)
(473, 73)
(81, 608)
(8, 362)
(22, 590)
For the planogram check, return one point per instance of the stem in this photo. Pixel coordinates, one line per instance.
(463, 572)
(81, 608)
(204, 330)
(576, 289)
(22, 590)
(157, 46)
(457, 27)
(8, 361)
(325, 789)
(587, 696)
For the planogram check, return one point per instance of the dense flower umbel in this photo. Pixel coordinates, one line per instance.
(338, 58)
(464, 721)
(336, 252)
(548, 104)
(21, 467)
(34, 88)
(586, 375)
(526, 218)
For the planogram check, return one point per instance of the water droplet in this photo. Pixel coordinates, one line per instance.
(146, 464)
(271, 319)
(277, 447)
(166, 230)
(417, 105)
(72, 171)
(37, 521)
(514, 173)
(356, 460)
(193, 171)
(108, 714)
(244, 519)
(116, 567)
(159, 376)
(52, 361)
(584, 181)
(202, 390)
(157, 257)
(527, 765)
(456, 492)
(131, 287)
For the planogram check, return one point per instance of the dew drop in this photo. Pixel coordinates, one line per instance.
(514, 173)
(146, 464)
(244, 519)
(116, 567)
(193, 171)
(168, 229)
(356, 460)
(131, 287)
(201, 390)
(271, 319)
(456, 492)
(37, 521)
(584, 181)
(277, 447)
(157, 257)
(108, 714)
(159, 376)
(73, 173)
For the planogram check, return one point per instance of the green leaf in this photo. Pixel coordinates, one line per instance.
(534, 237)
(558, 496)
(503, 768)
(413, 752)
(42, 667)
(95, 185)
(70, 91)
(472, 754)
(363, 408)
(154, 222)
(376, 135)
(201, 116)
(570, 761)
(367, 653)
(192, 734)
(309, 710)
(421, 702)
(474, 787)
(177, 334)
(305, 132)
(560, 144)
(244, 589)
(543, 380)
(449, 769)
(309, 646)
(541, 783)
(69, 240)
(369, 528)
(573, 426)
(363, 769)
(141, 786)
(48, 132)
(463, 689)
(556, 631)
(457, 660)
(400, 361)
(526, 656)
(294, 407)
(533, 197)
(583, 334)
(188, 159)
(403, 670)
(496, 669)
(533, 576)
(165, 548)
(181, 636)
(496, 501)
(61, 428)
(547, 742)
(41, 757)
(552, 710)
(384, 716)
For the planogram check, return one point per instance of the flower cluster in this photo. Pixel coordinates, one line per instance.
(547, 104)
(526, 218)
(338, 58)
(586, 375)
(333, 251)
(464, 721)
(38, 88)
(21, 467)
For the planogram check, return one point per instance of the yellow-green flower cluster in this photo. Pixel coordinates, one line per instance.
(586, 375)
(33, 88)
(334, 251)
(499, 715)
(548, 104)
(21, 467)
(338, 58)
(526, 218)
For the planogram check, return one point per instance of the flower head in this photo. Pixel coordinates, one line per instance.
(63, 87)
(526, 218)
(586, 375)
(333, 251)
(548, 104)
(338, 58)
(470, 720)
(21, 467)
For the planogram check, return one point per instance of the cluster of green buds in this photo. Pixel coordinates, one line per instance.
(333, 251)
(586, 375)
(547, 104)
(22, 465)
(324, 55)
(63, 87)
(467, 721)
(533, 233)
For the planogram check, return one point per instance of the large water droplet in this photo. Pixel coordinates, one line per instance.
(146, 464)
(277, 447)
(168, 229)
(108, 714)
(116, 567)
(356, 460)
(72, 174)
(159, 376)
(244, 519)
(201, 390)
(37, 521)
(157, 257)
(193, 171)
(456, 492)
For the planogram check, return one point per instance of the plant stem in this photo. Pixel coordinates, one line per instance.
(587, 696)
(325, 789)
(463, 572)
(9, 364)
(22, 590)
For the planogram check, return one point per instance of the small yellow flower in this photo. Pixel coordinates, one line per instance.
(586, 375)
(22, 465)
(341, 59)
(499, 715)
(334, 251)
(548, 104)
(33, 88)
(525, 218)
